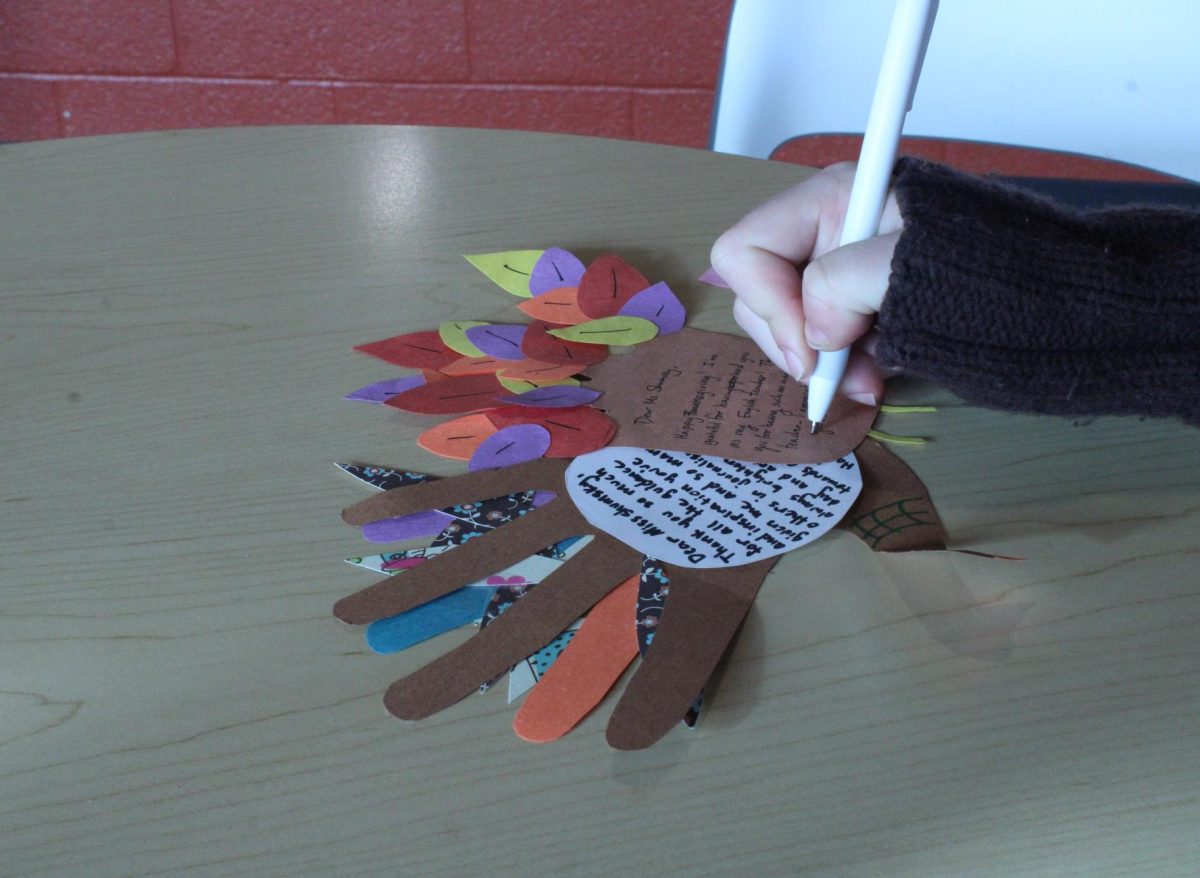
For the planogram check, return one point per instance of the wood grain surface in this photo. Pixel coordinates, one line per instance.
(176, 317)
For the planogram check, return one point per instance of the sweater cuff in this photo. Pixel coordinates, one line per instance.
(1015, 302)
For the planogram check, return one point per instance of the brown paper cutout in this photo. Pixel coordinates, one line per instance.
(711, 393)
(893, 513)
(692, 391)
(704, 612)
(538, 618)
(701, 617)
(475, 558)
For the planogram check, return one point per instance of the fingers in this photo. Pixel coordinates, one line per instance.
(540, 616)
(843, 290)
(473, 560)
(544, 474)
(863, 379)
(702, 614)
(760, 332)
(758, 258)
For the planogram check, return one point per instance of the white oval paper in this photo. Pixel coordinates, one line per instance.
(696, 510)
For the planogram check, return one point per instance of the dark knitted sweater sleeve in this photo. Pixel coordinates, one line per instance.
(1014, 302)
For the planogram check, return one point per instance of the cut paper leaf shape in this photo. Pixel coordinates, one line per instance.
(607, 284)
(462, 393)
(658, 305)
(415, 350)
(381, 391)
(510, 270)
(537, 371)
(711, 278)
(545, 343)
(459, 438)
(464, 360)
(556, 268)
(619, 330)
(560, 307)
(482, 365)
(510, 446)
(453, 334)
(555, 396)
(520, 385)
(573, 430)
(501, 341)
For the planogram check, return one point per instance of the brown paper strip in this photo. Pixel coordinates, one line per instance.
(525, 628)
(701, 616)
(467, 563)
(537, 475)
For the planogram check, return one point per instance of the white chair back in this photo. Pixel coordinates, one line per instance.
(1108, 78)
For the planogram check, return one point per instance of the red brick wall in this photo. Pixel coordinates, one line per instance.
(617, 68)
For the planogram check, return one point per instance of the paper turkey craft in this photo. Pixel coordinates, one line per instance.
(619, 503)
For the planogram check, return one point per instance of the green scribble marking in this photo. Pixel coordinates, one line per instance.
(879, 524)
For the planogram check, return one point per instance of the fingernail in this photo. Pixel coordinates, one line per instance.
(817, 340)
(863, 398)
(795, 367)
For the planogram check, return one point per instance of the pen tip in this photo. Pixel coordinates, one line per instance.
(815, 427)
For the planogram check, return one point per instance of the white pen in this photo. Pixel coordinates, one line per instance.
(907, 39)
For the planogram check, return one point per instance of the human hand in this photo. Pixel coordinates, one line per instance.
(829, 305)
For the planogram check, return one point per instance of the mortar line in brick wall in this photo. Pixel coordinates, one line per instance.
(350, 83)
(353, 83)
(129, 77)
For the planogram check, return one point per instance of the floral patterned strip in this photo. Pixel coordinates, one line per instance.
(653, 588)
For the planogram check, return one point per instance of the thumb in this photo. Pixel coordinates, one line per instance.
(843, 290)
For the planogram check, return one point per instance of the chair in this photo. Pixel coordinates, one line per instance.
(1107, 78)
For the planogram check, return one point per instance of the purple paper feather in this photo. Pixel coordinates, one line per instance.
(406, 527)
(658, 305)
(555, 396)
(555, 269)
(382, 391)
(512, 445)
(501, 341)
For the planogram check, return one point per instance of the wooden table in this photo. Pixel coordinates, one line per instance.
(177, 700)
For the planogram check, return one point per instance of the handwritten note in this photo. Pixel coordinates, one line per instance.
(697, 510)
(718, 394)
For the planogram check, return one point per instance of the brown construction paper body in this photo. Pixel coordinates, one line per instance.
(710, 393)
(893, 513)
